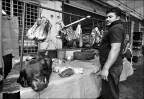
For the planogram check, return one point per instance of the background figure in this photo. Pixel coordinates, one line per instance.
(127, 52)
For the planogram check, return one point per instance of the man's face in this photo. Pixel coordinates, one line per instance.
(111, 17)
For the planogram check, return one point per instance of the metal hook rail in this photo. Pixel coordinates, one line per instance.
(77, 21)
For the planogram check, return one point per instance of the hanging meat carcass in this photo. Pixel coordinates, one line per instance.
(71, 37)
(30, 33)
(96, 36)
(40, 30)
(43, 30)
(59, 26)
(78, 33)
(36, 72)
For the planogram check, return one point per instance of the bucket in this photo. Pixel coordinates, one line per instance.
(61, 53)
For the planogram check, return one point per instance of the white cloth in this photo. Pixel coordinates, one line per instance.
(86, 85)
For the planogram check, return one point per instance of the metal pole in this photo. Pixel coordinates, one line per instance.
(77, 21)
(1, 54)
(22, 39)
(1, 60)
(131, 35)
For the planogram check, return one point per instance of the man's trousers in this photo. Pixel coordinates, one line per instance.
(110, 88)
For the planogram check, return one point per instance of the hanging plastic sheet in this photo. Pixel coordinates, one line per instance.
(10, 32)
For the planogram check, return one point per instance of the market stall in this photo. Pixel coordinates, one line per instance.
(45, 38)
(80, 32)
(83, 85)
(86, 84)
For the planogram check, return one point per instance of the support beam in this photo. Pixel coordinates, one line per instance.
(132, 30)
(1, 60)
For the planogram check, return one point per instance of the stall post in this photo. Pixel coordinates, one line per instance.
(131, 35)
(22, 39)
(1, 61)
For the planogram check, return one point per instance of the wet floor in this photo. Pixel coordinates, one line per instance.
(133, 87)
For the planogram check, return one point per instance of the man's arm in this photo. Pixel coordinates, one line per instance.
(113, 54)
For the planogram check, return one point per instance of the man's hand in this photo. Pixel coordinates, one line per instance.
(104, 74)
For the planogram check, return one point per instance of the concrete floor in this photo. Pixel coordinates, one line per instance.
(133, 87)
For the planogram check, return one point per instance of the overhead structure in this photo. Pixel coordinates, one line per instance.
(133, 7)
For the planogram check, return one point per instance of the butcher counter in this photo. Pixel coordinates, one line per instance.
(85, 85)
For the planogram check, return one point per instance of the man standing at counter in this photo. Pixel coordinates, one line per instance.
(110, 54)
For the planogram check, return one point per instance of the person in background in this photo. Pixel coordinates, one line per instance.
(127, 53)
(110, 54)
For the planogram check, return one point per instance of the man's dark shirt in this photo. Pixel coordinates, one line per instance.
(115, 34)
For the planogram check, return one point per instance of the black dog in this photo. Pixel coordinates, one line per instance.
(36, 72)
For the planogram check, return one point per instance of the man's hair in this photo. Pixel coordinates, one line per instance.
(115, 10)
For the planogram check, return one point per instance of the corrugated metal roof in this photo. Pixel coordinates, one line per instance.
(135, 7)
